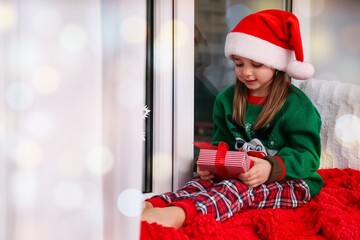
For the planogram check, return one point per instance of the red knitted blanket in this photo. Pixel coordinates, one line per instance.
(333, 214)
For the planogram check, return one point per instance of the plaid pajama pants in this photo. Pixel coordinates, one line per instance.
(223, 199)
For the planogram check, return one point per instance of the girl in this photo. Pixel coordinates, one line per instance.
(261, 112)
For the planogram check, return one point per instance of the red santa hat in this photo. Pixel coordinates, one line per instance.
(271, 37)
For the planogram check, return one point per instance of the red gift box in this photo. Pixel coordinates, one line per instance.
(221, 162)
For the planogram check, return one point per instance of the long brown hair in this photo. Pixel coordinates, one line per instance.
(278, 92)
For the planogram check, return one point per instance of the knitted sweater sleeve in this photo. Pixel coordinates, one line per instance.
(300, 158)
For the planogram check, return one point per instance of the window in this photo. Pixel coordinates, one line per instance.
(334, 32)
(213, 72)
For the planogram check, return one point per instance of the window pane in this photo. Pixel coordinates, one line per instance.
(213, 72)
(334, 40)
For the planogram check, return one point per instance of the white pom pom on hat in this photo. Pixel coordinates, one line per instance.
(300, 70)
(271, 37)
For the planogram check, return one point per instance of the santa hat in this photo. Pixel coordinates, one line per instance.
(271, 37)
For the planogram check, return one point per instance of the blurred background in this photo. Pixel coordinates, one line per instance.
(80, 89)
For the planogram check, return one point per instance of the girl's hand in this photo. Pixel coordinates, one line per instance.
(258, 174)
(206, 175)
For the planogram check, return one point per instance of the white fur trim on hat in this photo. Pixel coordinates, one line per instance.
(271, 55)
(258, 50)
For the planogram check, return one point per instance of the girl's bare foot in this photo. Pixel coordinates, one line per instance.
(172, 216)
(147, 205)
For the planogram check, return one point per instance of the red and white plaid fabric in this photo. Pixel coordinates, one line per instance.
(223, 199)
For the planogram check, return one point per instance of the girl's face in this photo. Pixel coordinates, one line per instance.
(256, 76)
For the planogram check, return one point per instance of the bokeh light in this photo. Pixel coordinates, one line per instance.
(73, 38)
(133, 30)
(28, 153)
(182, 33)
(70, 165)
(130, 202)
(25, 188)
(164, 42)
(347, 128)
(99, 160)
(46, 79)
(68, 195)
(77, 195)
(39, 124)
(7, 17)
(327, 158)
(323, 46)
(19, 96)
(162, 160)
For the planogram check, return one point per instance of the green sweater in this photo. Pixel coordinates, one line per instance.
(291, 140)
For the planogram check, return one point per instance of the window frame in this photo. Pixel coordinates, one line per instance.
(173, 94)
(172, 104)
